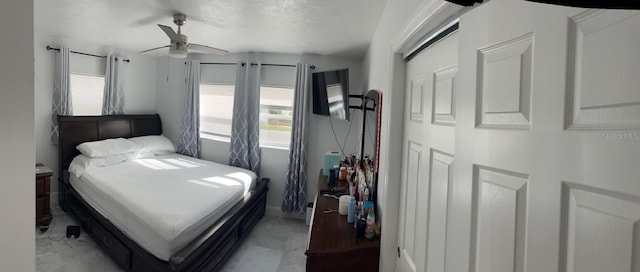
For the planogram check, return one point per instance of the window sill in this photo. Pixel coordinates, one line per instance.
(215, 138)
(223, 139)
(274, 147)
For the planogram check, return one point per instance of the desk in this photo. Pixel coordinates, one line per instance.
(332, 245)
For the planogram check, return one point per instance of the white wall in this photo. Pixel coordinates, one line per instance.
(17, 207)
(139, 87)
(385, 70)
(170, 99)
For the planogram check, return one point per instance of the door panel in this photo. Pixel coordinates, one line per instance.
(500, 198)
(417, 92)
(440, 182)
(411, 207)
(598, 41)
(504, 84)
(444, 94)
(601, 230)
(429, 148)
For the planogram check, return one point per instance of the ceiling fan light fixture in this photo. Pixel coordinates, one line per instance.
(177, 53)
(177, 50)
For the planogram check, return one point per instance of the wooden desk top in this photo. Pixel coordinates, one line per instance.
(43, 171)
(331, 232)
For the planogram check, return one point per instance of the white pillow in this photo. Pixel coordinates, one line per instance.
(81, 163)
(157, 144)
(108, 147)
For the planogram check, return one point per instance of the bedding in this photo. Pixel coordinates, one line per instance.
(108, 147)
(157, 144)
(82, 162)
(163, 202)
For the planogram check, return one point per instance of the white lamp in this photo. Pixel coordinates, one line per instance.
(178, 51)
(179, 54)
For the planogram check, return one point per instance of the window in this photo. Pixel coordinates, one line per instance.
(86, 94)
(216, 109)
(276, 112)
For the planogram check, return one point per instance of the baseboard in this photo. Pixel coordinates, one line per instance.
(276, 212)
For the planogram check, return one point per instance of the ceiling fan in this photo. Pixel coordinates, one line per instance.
(179, 46)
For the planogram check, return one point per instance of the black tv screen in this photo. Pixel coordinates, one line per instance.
(331, 93)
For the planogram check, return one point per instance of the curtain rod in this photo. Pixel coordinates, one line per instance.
(252, 64)
(82, 53)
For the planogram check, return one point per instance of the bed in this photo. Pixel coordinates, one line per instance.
(119, 220)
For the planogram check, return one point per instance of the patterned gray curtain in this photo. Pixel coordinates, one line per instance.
(190, 135)
(295, 196)
(61, 103)
(245, 134)
(113, 98)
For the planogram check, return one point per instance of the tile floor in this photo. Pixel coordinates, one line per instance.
(275, 244)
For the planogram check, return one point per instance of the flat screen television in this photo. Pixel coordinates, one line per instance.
(331, 93)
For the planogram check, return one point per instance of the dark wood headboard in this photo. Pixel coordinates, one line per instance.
(75, 130)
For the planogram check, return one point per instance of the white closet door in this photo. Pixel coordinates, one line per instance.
(547, 163)
(429, 148)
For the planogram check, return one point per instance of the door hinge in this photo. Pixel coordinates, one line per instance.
(398, 252)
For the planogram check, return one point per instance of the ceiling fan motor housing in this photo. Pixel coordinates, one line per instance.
(179, 19)
(181, 40)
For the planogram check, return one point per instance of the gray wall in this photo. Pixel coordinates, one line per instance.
(170, 97)
(17, 186)
(140, 89)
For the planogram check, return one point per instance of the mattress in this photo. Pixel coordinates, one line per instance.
(164, 202)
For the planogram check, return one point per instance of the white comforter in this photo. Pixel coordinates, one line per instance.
(164, 202)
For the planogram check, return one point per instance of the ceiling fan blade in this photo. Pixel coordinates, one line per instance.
(154, 49)
(206, 49)
(170, 32)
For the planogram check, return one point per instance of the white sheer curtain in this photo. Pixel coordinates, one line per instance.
(245, 134)
(61, 103)
(295, 197)
(113, 98)
(190, 135)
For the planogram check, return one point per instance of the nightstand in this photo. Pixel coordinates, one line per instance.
(43, 209)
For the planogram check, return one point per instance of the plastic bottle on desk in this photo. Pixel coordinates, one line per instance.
(351, 211)
(370, 231)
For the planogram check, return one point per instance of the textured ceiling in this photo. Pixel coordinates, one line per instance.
(326, 27)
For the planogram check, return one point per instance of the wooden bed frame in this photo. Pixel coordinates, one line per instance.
(206, 253)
